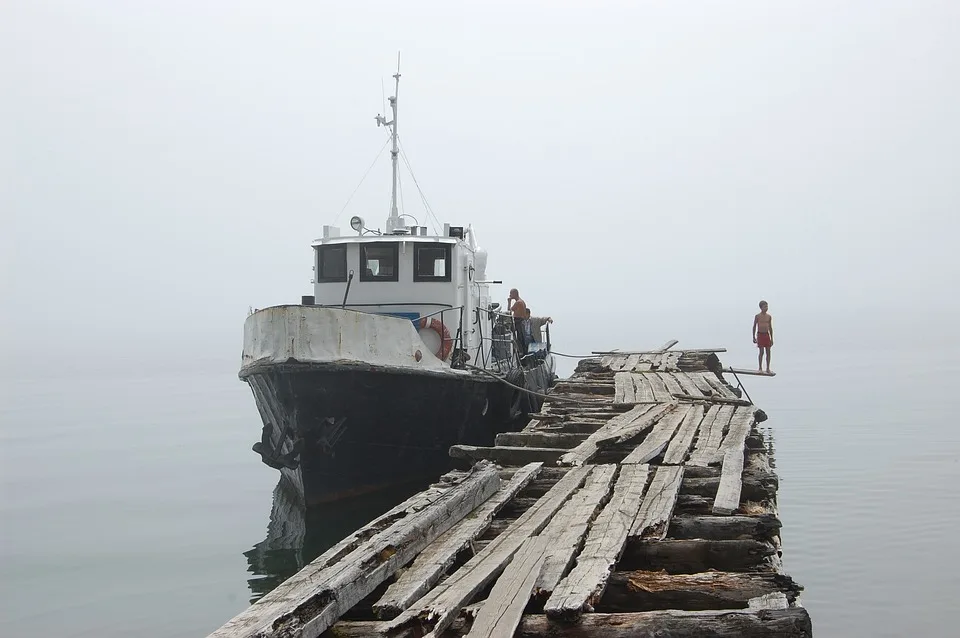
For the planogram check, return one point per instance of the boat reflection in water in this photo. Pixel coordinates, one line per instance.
(296, 536)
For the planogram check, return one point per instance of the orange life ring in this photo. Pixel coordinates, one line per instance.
(446, 343)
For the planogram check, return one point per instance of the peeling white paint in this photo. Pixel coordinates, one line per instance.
(311, 334)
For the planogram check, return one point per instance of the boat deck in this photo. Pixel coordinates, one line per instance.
(640, 501)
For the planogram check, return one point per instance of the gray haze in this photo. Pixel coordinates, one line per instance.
(166, 164)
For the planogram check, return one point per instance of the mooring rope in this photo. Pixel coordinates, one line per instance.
(531, 392)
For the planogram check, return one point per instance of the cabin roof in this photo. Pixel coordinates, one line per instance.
(369, 239)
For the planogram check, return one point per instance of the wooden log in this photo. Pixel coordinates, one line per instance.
(540, 438)
(439, 556)
(747, 623)
(660, 392)
(580, 387)
(501, 612)
(505, 455)
(604, 544)
(624, 388)
(721, 528)
(707, 450)
(435, 611)
(314, 598)
(658, 503)
(755, 486)
(643, 392)
(651, 591)
(681, 442)
(692, 556)
(568, 528)
(658, 439)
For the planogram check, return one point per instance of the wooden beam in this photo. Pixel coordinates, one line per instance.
(660, 392)
(505, 455)
(436, 611)
(658, 503)
(712, 399)
(540, 439)
(439, 556)
(732, 448)
(312, 600)
(624, 391)
(604, 543)
(756, 373)
(643, 391)
(618, 430)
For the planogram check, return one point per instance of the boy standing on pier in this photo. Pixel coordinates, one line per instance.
(763, 334)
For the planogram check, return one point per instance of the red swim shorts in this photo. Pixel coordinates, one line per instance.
(763, 340)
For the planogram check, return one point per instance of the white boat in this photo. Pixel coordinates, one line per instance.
(399, 354)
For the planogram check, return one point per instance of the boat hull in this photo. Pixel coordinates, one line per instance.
(337, 432)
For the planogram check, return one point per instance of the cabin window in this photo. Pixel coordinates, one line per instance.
(378, 262)
(431, 262)
(331, 264)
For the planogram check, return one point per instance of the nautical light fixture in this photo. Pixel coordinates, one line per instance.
(356, 223)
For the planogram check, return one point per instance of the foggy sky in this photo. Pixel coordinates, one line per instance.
(640, 171)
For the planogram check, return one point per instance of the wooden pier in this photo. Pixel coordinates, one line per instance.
(639, 502)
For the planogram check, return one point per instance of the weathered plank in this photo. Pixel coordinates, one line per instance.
(569, 526)
(698, 380)
(540, 438)
(686, 384)
(658, 439)
(617, 363)
(660, 392)
(680, 444)
(434, 612)
(731, 474)
(585, 451)
(669, 344)
(631, 362)
(642, 389)
(719, 386)
(756, 373)
(673, 386)
(505, 455)
(712, 399)
(501, 612)
(693, 592)
(707, 450)
(721, 528)
(437, 558)
(624, 392)
(604, 544)
(670, 361)
(658, 503)
(312, 600)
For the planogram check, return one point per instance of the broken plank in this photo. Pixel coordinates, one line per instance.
(312, 600)
(617, 431)
(569, 526)
(704, 388)
(670, 362)
(728, 494)
(658, 439)
(501, 612)
(437, 609)
(437, 558)
(718, 385)
(507, 455)
(658, 503)
(687, 385)
(643, 390)
(617, 363)
(624, 392)
(540, 438)
(631, 362)
(583, 586)
(680, 445)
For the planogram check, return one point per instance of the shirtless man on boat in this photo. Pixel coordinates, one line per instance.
(763, 335)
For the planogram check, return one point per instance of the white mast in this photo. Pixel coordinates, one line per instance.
(393, 221)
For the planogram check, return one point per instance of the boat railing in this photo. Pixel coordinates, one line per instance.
(450, 319)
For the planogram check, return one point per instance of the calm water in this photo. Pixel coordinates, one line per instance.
(134, 506)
